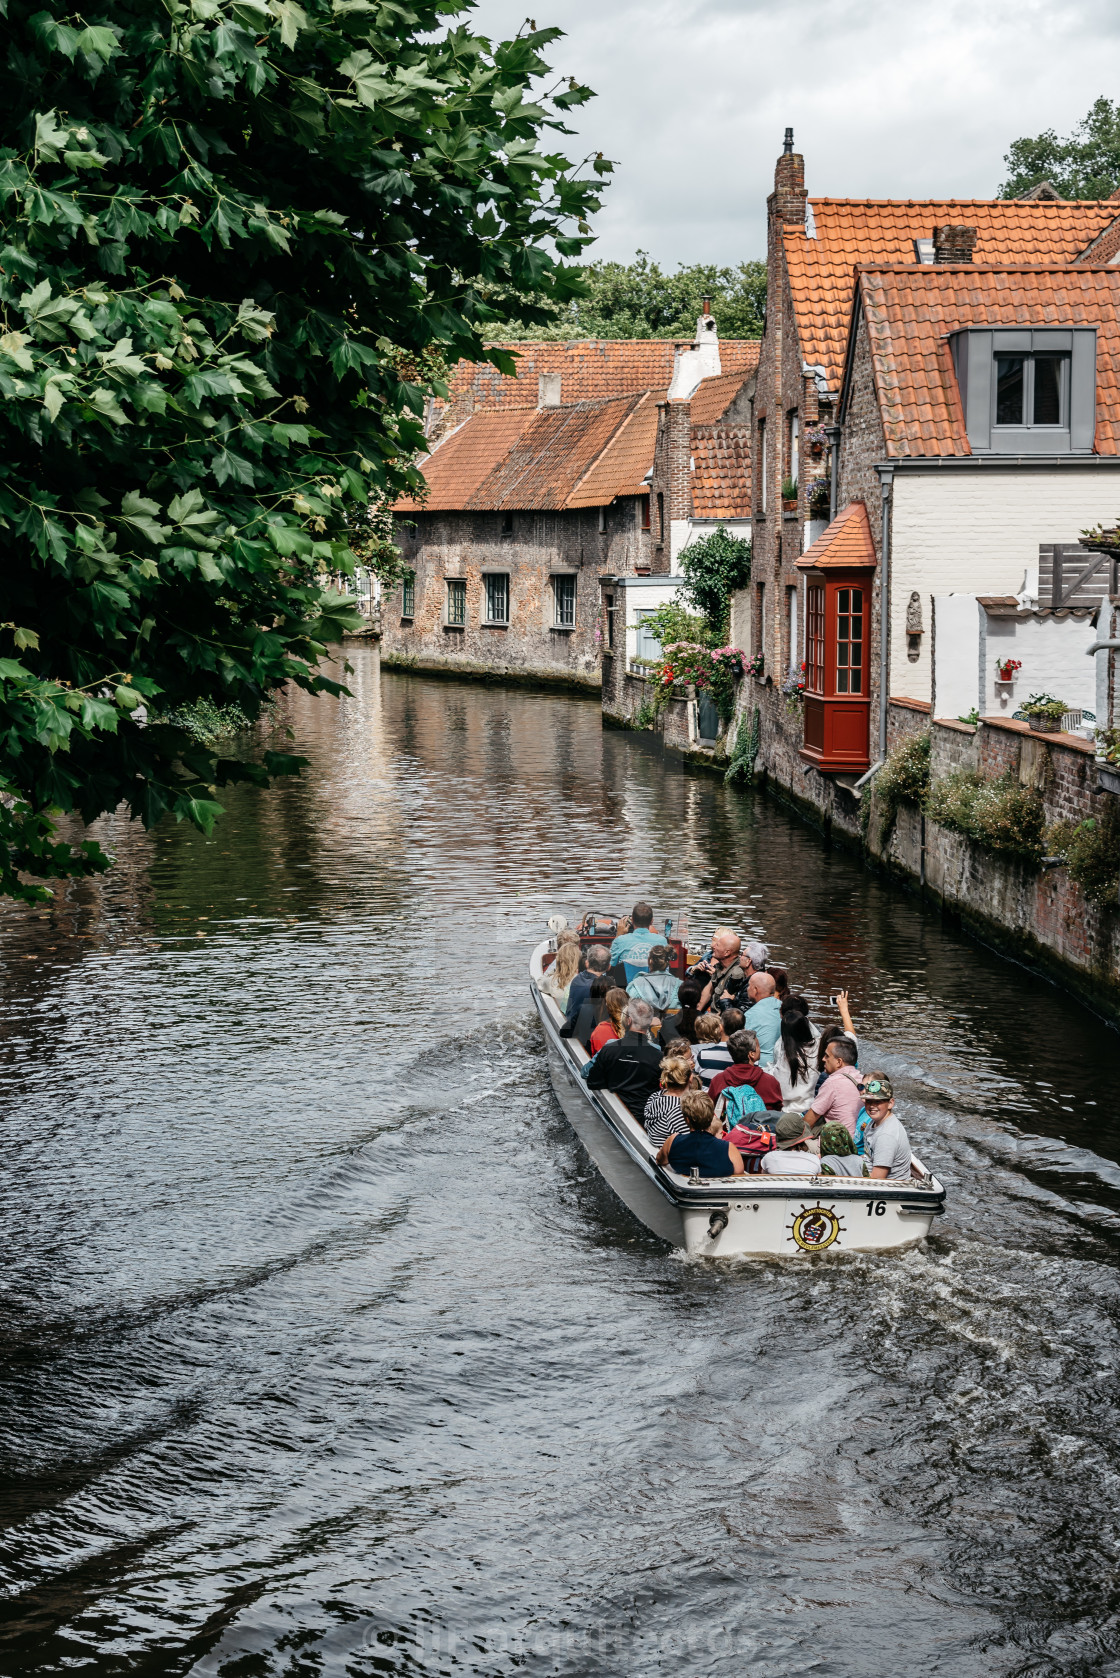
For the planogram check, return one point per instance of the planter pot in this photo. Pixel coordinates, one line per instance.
(789, 506)
(1108, 778)
(1045, 725)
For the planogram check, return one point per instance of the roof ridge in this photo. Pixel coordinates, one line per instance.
(1035, 203)
(984, 268)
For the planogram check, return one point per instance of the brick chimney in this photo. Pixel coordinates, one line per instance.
(548, 390)
(788, 201)
(953, 244)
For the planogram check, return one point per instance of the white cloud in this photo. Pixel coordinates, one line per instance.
(886, 101)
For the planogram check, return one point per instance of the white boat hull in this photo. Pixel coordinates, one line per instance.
(721, 1217)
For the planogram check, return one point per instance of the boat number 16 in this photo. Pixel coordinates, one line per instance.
(876, 1208)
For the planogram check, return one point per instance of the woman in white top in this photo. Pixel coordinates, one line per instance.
(560, 975)
(795, 1060)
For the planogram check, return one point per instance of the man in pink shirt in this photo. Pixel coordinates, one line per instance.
(840, 1097)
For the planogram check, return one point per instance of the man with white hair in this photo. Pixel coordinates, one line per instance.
(631, 1066)
(725, 975)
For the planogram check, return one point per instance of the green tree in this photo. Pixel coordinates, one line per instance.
(716, 566)
(1086, 164)
(638, 300)
(236, 237)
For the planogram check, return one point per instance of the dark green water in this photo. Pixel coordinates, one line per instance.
(327, 1352)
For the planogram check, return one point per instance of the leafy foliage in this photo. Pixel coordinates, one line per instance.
(210, 723)
(1091, 851)
(903, 779)
(638, 300)
(747, 743)
(1086, 164)
(716, 566)
(233, 235)
(1000, 814)
(674, 622)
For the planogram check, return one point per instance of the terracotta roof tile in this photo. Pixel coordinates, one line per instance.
(845, 543)
(721, 472)
(591, 370)
(909, 310)
(879, 231)
(713, 397)
(579, 455)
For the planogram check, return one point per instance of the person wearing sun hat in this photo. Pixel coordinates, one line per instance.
(791, 1155)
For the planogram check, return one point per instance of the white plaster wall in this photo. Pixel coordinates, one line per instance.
(976, 533)
(956, 676)
(645, 594)
(1052, 652)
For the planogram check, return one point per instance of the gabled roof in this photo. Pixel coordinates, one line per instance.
(712, 398)
(580, 455)
(847, 542)
(879, 231)
(910, 311)
(721, 472)
(590, 369)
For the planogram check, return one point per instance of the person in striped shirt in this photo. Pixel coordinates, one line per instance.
(711, 1054)
(662, 1114)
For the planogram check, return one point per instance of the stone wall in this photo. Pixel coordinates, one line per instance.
(530, 547)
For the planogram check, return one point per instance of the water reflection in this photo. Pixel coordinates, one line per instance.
(327, 1351)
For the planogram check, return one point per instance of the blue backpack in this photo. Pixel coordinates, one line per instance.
(741, 1102)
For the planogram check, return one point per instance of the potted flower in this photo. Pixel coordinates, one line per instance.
(820, 498)
(754, 666)
(817, 439)
(793, 688)
(789, 495)
(1108, 759)
(1006, 669)
(1044, 713)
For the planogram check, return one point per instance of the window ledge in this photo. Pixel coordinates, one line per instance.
(407, 617)
(458, 628)
(563, 628)
(495, 623)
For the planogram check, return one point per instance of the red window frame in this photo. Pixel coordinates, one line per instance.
(814, 638)
(850, 641)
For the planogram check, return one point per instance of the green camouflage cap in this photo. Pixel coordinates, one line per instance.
(878, 1087)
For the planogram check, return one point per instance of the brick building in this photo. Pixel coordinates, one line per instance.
(544, 489)
(899, 338)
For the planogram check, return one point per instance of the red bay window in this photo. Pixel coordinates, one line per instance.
(838, 572)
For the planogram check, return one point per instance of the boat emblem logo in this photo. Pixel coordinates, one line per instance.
(815, 1228)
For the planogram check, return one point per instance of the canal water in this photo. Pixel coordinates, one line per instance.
(327, 1352)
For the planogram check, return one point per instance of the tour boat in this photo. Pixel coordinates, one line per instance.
(756, 1215)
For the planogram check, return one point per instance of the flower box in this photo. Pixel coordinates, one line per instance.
(1042, 724)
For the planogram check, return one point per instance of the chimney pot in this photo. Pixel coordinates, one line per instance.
(548, 390)
(788, 144)
(953, 244)
(706, 304)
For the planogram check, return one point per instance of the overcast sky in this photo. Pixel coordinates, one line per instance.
(887, 100)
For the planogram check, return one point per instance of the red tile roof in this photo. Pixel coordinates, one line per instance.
(879, 231)
(910, 310)
(721, 472)
(845, 543)
(591, 370)
(580, 455)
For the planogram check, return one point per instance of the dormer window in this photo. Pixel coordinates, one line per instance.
(1027, 390)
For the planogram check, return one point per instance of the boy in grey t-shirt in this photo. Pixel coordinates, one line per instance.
(886, 1143)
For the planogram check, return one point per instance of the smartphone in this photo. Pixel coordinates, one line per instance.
(832, 999)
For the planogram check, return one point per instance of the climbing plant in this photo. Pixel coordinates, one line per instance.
(716, 566)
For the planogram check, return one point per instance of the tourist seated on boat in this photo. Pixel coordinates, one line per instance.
(559, 976)
(592, 1011)
(712, 1154)
(682, 1025)
(792, 1155)
(840, 1097)
(598, 960)
(761, 1089)
(754, 957)
(609, 1028)
(657, 986)
(764, 1016)
(832, 1032)
(631, 1067)
(839, 1155)
(720, 974)
(632, 947)
(780, 976)
(712, 1054)
(887, 1144)
(662, 1114)
(795, 1062)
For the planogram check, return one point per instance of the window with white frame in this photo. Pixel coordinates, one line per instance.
(564, 602)
(646, 643)
(496, 587)
(408, 595)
